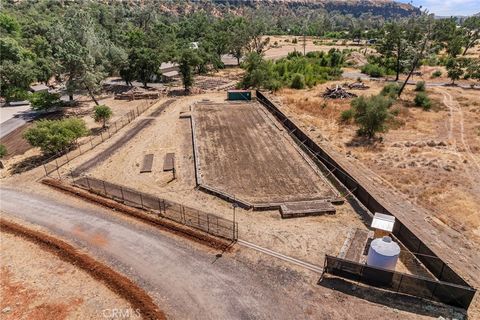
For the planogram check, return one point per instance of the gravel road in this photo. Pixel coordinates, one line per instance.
(186, 282)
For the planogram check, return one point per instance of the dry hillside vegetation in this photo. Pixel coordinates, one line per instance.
(433, 157)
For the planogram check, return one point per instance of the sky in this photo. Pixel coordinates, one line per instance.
(448, 7)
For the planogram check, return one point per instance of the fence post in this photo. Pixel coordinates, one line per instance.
(141, 200)
(91, 139)
(45, 167)
(123, 196)
(208, 223)
(400, 283)
(80, 148)
(138, 112)
(164, 207)
(58, 172)
(115, 126)
(104, 188)
(183, 213)
(159, 205)
(101, 135)
(88, 183)
(66, 156)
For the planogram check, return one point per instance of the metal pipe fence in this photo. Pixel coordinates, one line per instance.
(197, 219)
(55, 162)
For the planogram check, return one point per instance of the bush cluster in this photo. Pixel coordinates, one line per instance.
(420, 86)
(296, 70)
(422, 100)
(54, 136)
(373, 70)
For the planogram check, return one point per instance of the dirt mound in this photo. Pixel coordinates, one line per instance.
(357, 59)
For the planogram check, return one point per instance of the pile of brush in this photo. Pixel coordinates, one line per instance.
(338, 93)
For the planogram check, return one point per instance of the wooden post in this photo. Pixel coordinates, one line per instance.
(45, 167)
(208, 223)
(104, 188)
(123, 196)
(91, 143)
(141, 200)
(88, 183)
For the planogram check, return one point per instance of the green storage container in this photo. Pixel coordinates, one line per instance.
(239, 95)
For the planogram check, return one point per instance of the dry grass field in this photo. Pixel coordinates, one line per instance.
(430, 156)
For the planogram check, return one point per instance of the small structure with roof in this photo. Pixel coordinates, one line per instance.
(382, 224)
(39, 88)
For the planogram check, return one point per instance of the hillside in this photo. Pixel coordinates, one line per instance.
(384, 8)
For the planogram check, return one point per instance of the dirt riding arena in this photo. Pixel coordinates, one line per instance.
(240, 151)
(308, 238)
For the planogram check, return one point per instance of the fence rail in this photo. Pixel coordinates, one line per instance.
(448, 293)
(56, 161)
(194, 218)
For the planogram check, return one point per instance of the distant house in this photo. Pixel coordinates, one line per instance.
(39, 88)
(169, 71)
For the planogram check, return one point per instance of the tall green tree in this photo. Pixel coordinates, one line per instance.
(471, 26)
(187, 60)
(80, 50)
(393, 44)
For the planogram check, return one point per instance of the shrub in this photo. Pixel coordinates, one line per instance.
(102, 113)
(3, 151)
(371, 114)
(373, 70)
(298, 81)
(45, 100)
(53, 136)
(420, 86)
(422, 100)
(274, 85)
(390, 90)
(16, 94)
(346, 115)
(294, 40)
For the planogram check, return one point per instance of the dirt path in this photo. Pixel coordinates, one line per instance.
(456, 132)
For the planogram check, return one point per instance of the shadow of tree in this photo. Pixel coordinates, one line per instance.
(30, 163)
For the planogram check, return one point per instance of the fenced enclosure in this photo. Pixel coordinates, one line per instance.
(434, 264)
(88, 143)
(194, 218)
(448, 293)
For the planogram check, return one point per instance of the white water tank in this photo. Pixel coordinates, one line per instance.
(383, 253)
